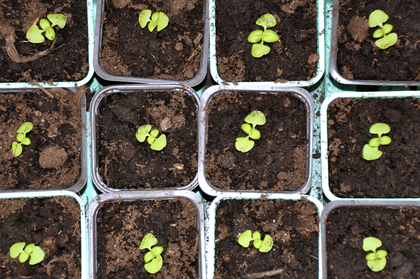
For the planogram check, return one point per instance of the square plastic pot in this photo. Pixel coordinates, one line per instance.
(297, 83)
(137, 195)
(101, 72)
(135, 89)
(211, 223)
(213, 91)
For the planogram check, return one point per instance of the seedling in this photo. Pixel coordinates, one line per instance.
(268, 36)
(245, 144)
(31, 250)
(263, 246)
(376, 260)
(21, 138)
(386, 39)
(158, 19)
(370, 150)
(34, 34)
(153, 258)
(156, 143)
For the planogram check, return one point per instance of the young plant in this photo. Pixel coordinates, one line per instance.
(370, 150)
(386, 39)
(34, 34)
(158, 19)
(156, 143)
(376, 260)
(31, 250)
(268, 36)
(263, 246)
(245, 144)
(21, 138)
(153, 258)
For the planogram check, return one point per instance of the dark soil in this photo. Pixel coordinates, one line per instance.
(51, 223)
(122, 226)
(173, 53)
(293, 225)
(277, 162)
(126, 163)
(398, 228)
(294, 57)
(359, 58)
(52, 160)
(395, 173)
(66, 58)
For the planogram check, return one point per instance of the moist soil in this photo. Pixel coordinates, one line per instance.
(294, 57)
(293, 226)
(122, 226)
(359, 58)
(277, 162)
(126, 163)
(397, 227)
(395, 173)
(52, 160)
(51, 223)
(65, 59)
(173, 53)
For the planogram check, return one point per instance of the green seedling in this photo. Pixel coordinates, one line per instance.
(153, 258)
(376, 260)
(268, 36)
(386, 39)
(245, 144)
(157, 19)
(21, 138)
(31, 250)
(263, 246)
(156, 143)
(370, 150)
(34, 34)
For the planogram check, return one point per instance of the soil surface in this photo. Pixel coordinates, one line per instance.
(174, 53)
(398, 228)
(64, 59)
(294, 57)
(122, 226)
(277, 162)
(126, 163)
(359, 58)
(52, 160)
(51, 223)
(293, 226)
(395, 173)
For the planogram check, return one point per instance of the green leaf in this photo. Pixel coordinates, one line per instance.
(259, 50)
(385, 140)
(269, 36)
(255, 36)
(378, 34)
(157, 250)
(256, 235)
(44, 24)
(371, 256)
(379, 129)
(377, 265)
(23, 257)
(143, 132)
(16, 149)
(258, 243)
(29, 248)
(34, 35)
(244, 144)
(255, 118)
(255, 134)
(377, 17)
(25, 128)
(37, 255)
(375, 142)
(159, 143)
(20, 137)
(154, 133)
(267, 21)
(381, 254)
(57, 19)
(267, 244)
(26, 141)
(144, 17)
(148, 257)
(151, 26)
(371, 243)
(246, 128)
(162, 21)
(387, 28)
(155, 17)
(16, 249)
(387, 41)
(155, 265)
(245, 238)
(148, 241)
(50, 33)
(371, 153)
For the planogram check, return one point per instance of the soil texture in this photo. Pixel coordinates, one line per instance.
(52, 160)
(359, 58)
(122, 226)
(50, 223)
(294, 57)
(395, 173)
(397, 227)
(64, 59)
(277, 162)
(293, 226)
(173, 53)
(126, 163)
